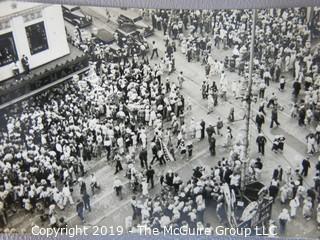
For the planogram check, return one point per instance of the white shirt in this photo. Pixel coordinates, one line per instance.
(154, 46)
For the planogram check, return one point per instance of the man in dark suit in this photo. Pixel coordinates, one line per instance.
(203, 128)
(226, 175)
(80, 210)
(274, 117)
(210, 130)
(83, 186)
(302, 116)
(25, 64)
(212, 145)
(261, 141)
(150, 173)
(118, 164)
(143, 158)
(312, 194)
(259, 121)
(296, 88)
(305, 167)
(86, 201)
(277, 173)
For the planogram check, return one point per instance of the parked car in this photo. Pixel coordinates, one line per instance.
(132, 40)
(75, 16)
(104, 36)
(106, 39)
(132, 22)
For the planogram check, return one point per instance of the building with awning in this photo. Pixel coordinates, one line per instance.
(31, 29)
(37, 31)
(43, 77)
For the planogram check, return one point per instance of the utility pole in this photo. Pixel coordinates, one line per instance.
(309, 14)
(310, 21)
(249, 93)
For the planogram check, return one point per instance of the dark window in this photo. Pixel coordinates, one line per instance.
(8, 53)
(37, 38)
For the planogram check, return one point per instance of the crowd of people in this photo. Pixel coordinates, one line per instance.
(125, 108)
(47, 139)
(180, 204)
(278, 59)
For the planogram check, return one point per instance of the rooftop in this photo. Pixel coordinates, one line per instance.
(8, 8)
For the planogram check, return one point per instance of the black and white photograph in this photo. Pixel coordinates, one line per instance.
(159, 121)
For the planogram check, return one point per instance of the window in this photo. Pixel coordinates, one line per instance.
(37, 38)
(8, 53)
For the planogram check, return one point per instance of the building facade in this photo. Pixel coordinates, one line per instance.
(34, 30)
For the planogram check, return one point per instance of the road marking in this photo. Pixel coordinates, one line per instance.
(180, 166)
(123, 203)
(252, 122)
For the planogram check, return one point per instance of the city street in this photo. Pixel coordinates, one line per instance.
(108, 210)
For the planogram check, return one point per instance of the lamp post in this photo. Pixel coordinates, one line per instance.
(249, 93)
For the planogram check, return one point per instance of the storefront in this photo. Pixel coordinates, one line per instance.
(36, 31)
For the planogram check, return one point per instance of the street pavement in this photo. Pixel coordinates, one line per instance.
(108, 210)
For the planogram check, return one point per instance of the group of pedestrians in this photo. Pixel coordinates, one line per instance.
(134, 114)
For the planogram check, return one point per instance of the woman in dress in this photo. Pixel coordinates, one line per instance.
(198, 131)
(184, 46)
(210, 103)
(294, 204)
(228, 137)
(307, 209)
(145, 190)
(147, 114)
(284, 217)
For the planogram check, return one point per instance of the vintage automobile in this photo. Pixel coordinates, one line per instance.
(106, 39)
(104, 36)
(75, 16)
(132, 41)
(133, 22)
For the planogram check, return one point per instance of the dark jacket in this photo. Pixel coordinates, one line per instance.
(260, 119)
(274, 114)
(306, 163)
(150, 173)
(80, 207)
(261, 140)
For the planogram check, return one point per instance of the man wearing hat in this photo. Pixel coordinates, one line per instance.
(210, 131)
(261, 141)
(284, 217)
(277, 173)
(143, 51)
(274, 117)
(305, 166)
(117, 185)
(259, 121)
(150, 176)
(143, 158)
(80, 210)
(154, 49)
(25, 64)
(83, 186)
(307, 208)
(86, 201)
